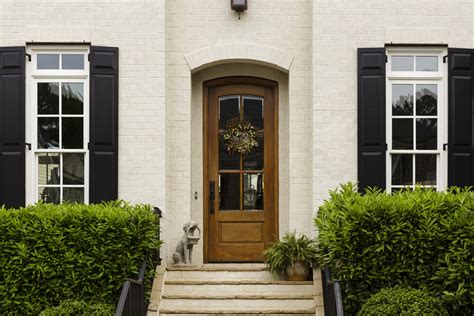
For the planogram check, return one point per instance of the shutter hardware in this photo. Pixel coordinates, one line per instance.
(28, 145)
(444, 59)
(29, 56)
(445, 145)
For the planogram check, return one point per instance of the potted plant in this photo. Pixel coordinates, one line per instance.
(293, 256)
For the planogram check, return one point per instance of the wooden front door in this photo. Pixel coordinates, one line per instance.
(240, 203)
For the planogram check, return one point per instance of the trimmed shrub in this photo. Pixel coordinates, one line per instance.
(398, 301)
(52, 253)
(422, 239)
(79, 308)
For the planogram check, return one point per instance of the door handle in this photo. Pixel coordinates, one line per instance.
(212, 195)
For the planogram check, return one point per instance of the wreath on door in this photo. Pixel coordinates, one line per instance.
(240, 136)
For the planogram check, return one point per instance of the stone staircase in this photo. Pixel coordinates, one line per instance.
(233, 289)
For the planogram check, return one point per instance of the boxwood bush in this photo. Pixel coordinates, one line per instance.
(79, 308)
(399, 301)
(55, 252)
(422, 239)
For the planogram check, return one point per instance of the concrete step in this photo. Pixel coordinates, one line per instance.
(221, 275)
(237, 287)
(233, 306)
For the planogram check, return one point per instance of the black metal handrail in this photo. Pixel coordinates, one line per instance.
(133, 300)
(331, 294)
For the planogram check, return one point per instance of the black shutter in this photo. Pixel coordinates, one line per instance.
(12, 126)
(371, 117)
(103, 144)
(461, 117)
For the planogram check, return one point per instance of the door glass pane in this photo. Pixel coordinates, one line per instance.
(402, 63)
(254, 160)
(48, 98)
(253, 191)
(227, 161)
(49, 194)
(72, 61)
(253, 111)
(229, 191)
(48, 61)
(73, 195)
(72, 132)
(426, 63)
(72, 97)
(402, 169)
(425, 169)
(48, 132)
(228, 109)
(402, 134)
(402, 99)
(48, 169)
(73, 168)
(426, 99)
(426, 134)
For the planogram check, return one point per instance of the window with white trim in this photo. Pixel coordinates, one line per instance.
(57, 111)
(416, 126)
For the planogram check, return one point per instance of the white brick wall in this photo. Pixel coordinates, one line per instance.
(162, 42)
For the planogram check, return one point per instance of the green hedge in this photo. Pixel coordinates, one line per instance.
(398, 301)
(422, 239)
(79, 308)
(52, 253)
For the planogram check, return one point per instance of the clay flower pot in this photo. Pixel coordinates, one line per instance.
(299, 271)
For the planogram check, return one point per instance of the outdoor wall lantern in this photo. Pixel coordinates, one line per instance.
(238, 5)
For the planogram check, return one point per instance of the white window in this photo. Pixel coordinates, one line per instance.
(416, 118)
(57, 124)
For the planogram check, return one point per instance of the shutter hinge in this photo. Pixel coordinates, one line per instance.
(445, 57)
(386, 146)
(28, 145)
(29, 56)
(89, 57)
(89, 146)
(386, 59)
(445, 145)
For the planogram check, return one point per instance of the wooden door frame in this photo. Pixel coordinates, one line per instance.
(228, 81)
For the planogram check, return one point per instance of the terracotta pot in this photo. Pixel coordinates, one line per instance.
(299, 271)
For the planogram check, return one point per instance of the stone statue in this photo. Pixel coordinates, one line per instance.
(184, 250)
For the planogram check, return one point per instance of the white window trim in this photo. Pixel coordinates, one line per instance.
(33, 76)
(414, 77)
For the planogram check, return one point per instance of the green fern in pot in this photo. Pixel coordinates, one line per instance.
(293, 255)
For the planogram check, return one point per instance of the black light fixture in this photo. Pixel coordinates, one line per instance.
(238, 5)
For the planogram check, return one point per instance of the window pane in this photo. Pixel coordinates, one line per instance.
(425, 169)
(48, 98)
(48, 61)
(228, 109)
(48, 169)
(253, 111)
(253, 191)
(402, 63)
(402, 99)
(426, 63)
(48, 132)
(229, 191)
(72, 61)
(426, 99)
(73, 168)
(426, 134)
(49, 194)
(72, 132)
(73, 195)
(227, 161)
(72, 97)
(402, 169)
(254, 160)
(402, 134)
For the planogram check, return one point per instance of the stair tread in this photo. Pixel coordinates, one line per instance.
(240, 296)
(221, 267)
(232, 282)
(238, 311)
